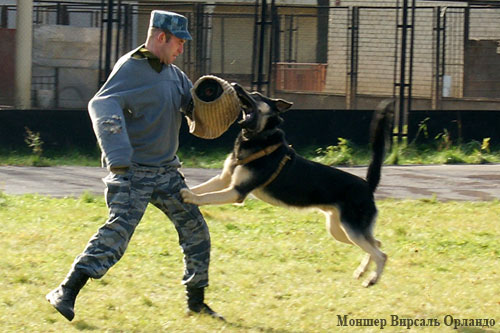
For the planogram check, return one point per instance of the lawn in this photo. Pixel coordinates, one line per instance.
(343, 153)
(272, 270)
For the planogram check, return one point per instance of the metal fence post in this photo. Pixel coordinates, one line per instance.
(109, 35)
(4, 10)
(321, 36)
(439, 58)
(118, 21)
(260, 63)
(62, 14)
(354, 53)
(410, 69)
(24, 49)
(273, 39)
(404, 96)
(200, 44)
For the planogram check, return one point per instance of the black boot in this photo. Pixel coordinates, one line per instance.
(63, 297)
(196, 304)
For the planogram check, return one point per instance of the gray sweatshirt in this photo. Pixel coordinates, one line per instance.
(136, 114)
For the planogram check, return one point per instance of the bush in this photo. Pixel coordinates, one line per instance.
(341, 154)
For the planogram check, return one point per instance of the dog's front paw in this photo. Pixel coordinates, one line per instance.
(188, 196)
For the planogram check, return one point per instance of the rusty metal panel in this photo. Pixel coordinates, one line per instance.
(7, 68)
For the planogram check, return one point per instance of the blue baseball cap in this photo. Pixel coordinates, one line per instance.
(173, 22)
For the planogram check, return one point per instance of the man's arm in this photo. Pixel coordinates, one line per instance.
(106, 114)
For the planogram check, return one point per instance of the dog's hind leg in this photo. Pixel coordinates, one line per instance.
(333, 225)
(369, 244)
(363, 266)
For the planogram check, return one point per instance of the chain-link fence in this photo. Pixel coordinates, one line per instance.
(349, 54)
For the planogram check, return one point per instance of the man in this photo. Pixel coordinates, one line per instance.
(136, 116)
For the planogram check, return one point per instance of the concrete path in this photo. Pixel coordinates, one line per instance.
(446, 182)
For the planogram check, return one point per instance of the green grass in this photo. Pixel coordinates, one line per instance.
(344, 153)
(272, 270)
(195, 158)
(50, 157)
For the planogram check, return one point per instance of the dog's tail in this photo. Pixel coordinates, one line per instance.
(380, 130)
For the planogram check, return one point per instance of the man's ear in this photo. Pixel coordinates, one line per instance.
(163, 36)
(282, 105)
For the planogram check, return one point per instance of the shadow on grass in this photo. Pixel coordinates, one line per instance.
(245, 328)
(82, 325)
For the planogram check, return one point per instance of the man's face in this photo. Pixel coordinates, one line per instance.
(170, 49)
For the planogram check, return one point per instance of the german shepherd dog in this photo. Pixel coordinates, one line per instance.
(262, 163)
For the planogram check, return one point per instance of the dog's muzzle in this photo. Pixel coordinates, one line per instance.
(248, 106)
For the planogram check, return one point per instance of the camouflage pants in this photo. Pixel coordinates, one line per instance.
(127, 197)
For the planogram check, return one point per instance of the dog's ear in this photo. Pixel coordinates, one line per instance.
(282, 105)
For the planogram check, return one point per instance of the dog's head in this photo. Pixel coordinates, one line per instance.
(260, 112)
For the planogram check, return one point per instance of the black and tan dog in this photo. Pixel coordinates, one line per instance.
(262, 163)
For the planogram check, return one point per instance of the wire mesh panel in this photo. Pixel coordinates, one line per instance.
(377, 46)
(43, 89)
(296, 66)
(7, 17)
(300, 76)
(339, 31)
(7, 73)
(424, 52)
(232, 47)
(452, 80)
(482, 54)
(351, 50)
(298, 37)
